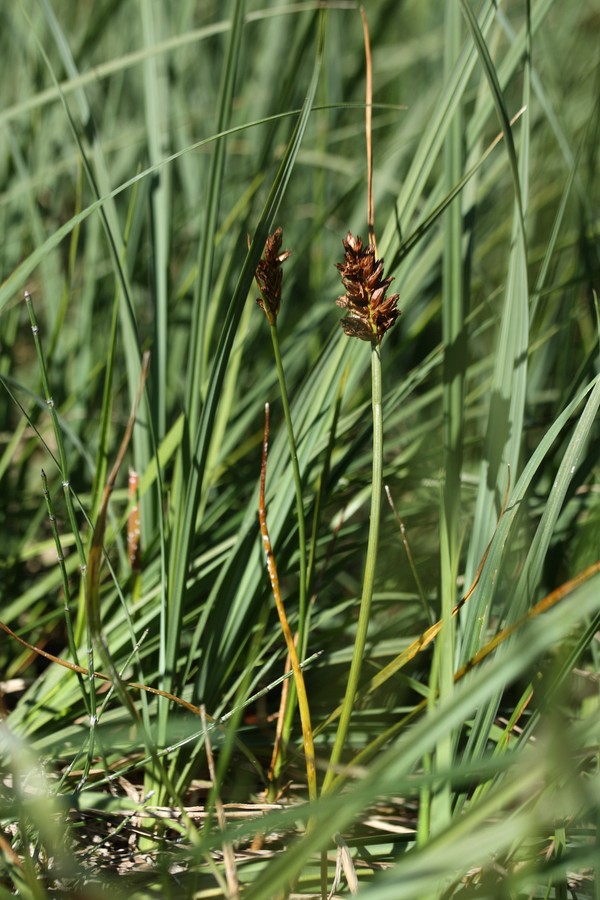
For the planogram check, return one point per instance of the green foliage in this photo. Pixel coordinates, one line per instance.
(146, 151)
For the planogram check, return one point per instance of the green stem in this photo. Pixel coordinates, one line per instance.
(64, 472)
(65, 579)
(369, 577)
(62, 457)
(69, 624)
(298, 488)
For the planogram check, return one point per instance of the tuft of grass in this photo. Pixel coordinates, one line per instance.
(140, 145)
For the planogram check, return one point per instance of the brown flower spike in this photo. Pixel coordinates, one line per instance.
(268, 276)
(370, 312)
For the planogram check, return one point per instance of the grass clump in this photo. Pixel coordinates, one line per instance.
(138, 151)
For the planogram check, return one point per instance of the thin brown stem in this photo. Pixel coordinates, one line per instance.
(368, 130)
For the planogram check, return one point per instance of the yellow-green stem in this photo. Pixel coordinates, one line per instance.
(369, 577)
(298, 489)
(309, 750)
(303, 588)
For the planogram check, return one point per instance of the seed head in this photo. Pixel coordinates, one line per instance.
(269, 276)
(370, 312)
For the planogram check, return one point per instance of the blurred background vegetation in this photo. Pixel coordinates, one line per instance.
(141, 144)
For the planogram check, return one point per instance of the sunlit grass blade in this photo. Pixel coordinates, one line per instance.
(385, 776)
(504, 429)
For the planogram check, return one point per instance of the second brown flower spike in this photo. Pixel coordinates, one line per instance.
(268, 276)
(370, 312)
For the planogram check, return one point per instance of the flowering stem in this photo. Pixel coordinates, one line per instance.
(303, 588)
(369, 577)
(298, 488)
(309, 750)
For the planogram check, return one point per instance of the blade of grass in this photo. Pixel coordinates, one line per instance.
(455, 356)
(99, 182)
(200, 336)
(156, 93)
(184, 526)
(504, 428)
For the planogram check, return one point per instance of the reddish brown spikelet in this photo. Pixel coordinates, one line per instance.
(133, 524)
(370, 312)
(269, 276)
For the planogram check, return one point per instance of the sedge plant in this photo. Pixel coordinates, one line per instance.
(509, 722)
(269, 279)
(370, 313)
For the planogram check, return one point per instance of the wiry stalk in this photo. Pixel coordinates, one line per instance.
(62, 457)
(69, 624)
(369, 315)
(64, 473)
(369, 577)
(269, 281)
(309, 750)
(285, 403)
